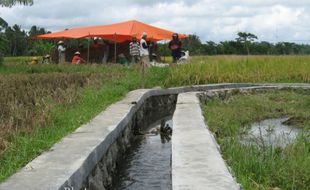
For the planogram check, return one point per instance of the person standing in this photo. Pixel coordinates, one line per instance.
(106, 52)
(134, 50)
(144, 51)
(61, 52)
(175, 45)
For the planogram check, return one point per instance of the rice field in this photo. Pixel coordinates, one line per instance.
(256, 69)
(40, 104)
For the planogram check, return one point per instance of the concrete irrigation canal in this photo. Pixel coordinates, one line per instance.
(152, 139)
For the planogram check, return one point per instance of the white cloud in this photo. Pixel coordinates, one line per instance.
(210, 19)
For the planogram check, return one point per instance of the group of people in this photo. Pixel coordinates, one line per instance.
(77, 59)
(141, 51)
(45, 60)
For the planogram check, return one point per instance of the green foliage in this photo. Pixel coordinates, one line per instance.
(265, 167)
(41, 48)
(193, 45)
(246, 39)
(3, 24)
(16, 41)
(10, 3)
(164, 49)
(1, 58)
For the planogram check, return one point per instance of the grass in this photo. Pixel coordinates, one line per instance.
(81, 97)
(221, 69)
(262, 167)
(40, 104)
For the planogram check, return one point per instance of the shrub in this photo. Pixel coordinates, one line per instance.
(1, 58)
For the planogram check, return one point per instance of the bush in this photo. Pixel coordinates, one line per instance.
(41, 48)
(1, 59)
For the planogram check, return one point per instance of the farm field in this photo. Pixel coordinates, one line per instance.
(40, 104)
(260, 165)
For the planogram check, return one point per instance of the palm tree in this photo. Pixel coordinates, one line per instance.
(10, 3)
(246, 39)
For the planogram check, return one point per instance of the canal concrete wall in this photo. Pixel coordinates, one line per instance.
(75, 162)
(196, 160)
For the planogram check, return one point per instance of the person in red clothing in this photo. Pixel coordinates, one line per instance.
(77, 59)
(175, 45)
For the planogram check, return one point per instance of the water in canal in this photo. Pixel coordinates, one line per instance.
(147, 165)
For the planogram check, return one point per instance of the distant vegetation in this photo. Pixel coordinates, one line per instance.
(14, 41)
(9, 3)
(244, 44)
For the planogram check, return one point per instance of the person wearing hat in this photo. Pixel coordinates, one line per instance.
(144, 51)
(134, 50)
(46, 59)
(77, 59)
(34, 61)
(175, 45)
(61, 52)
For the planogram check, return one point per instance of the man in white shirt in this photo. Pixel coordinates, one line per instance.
(61, 52)
(144, 51)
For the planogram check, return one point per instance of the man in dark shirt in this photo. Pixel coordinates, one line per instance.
(175, 46)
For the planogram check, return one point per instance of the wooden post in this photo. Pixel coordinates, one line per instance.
(88, 47)
(114, 47)
(142, 73)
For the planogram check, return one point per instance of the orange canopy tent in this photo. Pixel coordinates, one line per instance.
(118, 32)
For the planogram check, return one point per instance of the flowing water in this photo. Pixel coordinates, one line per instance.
(147, 165)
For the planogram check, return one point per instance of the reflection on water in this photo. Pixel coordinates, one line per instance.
(271, 132)
(147, 165)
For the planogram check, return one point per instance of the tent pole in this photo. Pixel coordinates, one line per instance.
(114, 47)
(88, 47)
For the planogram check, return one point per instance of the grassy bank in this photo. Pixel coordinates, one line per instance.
(40, 104)
(40, 109)
(263, 167)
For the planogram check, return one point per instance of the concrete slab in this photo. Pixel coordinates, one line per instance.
(196, 161)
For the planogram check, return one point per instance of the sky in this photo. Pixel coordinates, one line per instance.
(211, 20)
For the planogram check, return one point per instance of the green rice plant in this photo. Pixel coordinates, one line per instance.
(221, 69)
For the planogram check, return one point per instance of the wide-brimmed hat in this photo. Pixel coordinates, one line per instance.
(60, 42)
(77, 53)
(144, 34)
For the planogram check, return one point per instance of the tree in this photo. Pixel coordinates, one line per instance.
(193, 45)
(246, 39)
(210, 48)
(17, 41)
(10, 3)
(3, 26)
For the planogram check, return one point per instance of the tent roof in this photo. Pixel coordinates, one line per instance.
(115, 32)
